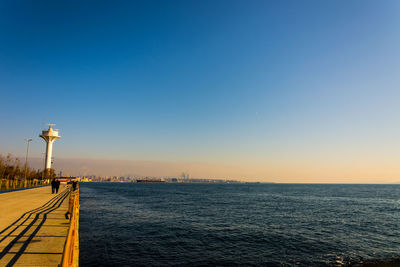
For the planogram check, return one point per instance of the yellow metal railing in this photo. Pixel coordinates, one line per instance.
(11, 184)
(71, 251)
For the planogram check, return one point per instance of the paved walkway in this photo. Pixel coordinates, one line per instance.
(33, 228)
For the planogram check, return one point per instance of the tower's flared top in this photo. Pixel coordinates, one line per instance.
(50, 133)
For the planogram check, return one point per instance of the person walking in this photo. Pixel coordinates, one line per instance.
(74, 185)
(57, 186)
(53, 186)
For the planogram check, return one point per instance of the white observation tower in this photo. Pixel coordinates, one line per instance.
(49, 136)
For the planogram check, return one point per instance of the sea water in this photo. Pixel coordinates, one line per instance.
(175, 224)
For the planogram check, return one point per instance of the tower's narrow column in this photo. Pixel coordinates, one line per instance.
(49, 152)
(49, 137)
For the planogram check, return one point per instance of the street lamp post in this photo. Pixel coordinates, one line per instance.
(44, 164)
(26, 157)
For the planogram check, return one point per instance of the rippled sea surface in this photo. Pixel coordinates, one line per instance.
(136, 224)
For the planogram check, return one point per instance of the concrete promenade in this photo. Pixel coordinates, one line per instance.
(33, 228)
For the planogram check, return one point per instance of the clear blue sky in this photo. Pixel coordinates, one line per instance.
(249, 82)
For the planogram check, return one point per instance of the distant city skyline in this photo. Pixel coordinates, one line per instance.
(270, 173)
(276, 91)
